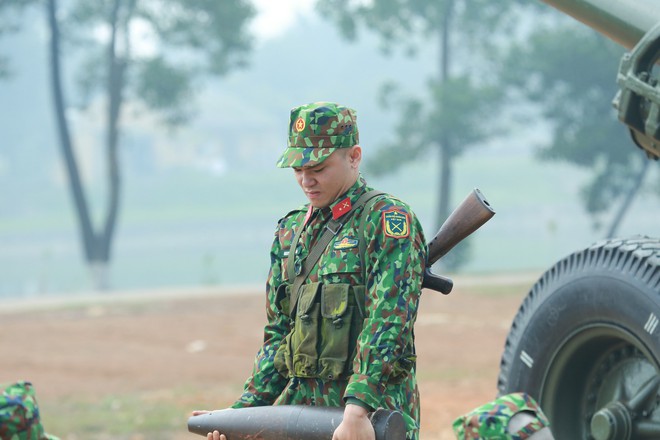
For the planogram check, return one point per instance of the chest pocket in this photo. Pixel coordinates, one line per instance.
(323, 341)
(341, 266)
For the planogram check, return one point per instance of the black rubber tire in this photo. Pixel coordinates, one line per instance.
(587, 334)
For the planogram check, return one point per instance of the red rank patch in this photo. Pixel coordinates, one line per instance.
(341, 208)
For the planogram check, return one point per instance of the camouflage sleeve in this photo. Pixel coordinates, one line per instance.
(395, 261)
(266, 383)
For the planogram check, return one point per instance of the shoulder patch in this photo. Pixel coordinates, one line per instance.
(396, 223)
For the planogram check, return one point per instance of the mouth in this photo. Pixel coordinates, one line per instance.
(312, 194)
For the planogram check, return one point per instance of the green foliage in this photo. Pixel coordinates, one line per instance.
(214, 28)
(459, 108)
(165, 87)
(463, 111)
(410, 137)
(10, 16)
(205, 36)
(164, 46)
(570, 71)
(402, 22)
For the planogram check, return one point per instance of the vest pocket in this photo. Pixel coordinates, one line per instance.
(283, 298)
(336, 330)
(305, 332)
(282, 360)
(323, 339)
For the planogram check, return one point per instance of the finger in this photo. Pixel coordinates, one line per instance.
(198, 412)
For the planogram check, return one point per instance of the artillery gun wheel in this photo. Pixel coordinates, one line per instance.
(586, 343)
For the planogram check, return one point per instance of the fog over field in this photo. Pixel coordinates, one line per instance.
(200, 204)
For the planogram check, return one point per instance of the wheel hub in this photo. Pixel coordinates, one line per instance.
(627, 415)
(613, 422)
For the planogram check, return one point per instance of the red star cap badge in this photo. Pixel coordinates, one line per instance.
(300, 124)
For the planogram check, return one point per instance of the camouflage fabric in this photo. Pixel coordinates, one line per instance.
(315, 131)
(19, 413)
(383, 369)
(491, 421)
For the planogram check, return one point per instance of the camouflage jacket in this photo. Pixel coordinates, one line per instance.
(383, 369)
(19, 413)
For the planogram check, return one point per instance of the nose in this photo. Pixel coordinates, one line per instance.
(308, 179)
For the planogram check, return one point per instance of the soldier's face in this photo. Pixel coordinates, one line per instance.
(325, 182)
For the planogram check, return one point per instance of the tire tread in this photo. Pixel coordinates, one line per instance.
(637, 257)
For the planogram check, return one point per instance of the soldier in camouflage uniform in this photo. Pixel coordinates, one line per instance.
(514, 416)
(341, 334)
(19, 413)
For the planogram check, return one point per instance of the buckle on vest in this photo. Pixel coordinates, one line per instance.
(337, 227)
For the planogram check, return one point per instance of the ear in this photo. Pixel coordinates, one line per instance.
(355, 156)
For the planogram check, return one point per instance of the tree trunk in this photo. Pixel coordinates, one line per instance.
(100, 274)
(444, 143)
(96, 245)
(627, 201)
(444, 181)
(66, 144)
(116, 68)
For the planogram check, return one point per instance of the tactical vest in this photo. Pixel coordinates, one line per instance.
(326, 319)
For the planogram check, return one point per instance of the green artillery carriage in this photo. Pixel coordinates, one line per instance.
(586, 341)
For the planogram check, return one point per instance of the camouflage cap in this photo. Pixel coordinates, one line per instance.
(19, 413)
(316, 130)
(491, 421)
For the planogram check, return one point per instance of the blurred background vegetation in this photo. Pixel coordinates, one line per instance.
(138, 137)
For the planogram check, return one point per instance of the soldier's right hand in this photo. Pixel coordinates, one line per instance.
(215, 435)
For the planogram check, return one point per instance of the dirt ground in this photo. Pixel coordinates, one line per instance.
(198, 344)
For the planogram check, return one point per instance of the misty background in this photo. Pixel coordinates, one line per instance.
(200, 202)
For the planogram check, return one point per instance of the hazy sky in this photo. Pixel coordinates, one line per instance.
(274, 17)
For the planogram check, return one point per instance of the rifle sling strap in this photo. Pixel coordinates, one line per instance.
(331, 230)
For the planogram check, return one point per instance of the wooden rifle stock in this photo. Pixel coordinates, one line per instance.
(469, 216)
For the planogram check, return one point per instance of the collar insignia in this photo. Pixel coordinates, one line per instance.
(341, 208)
